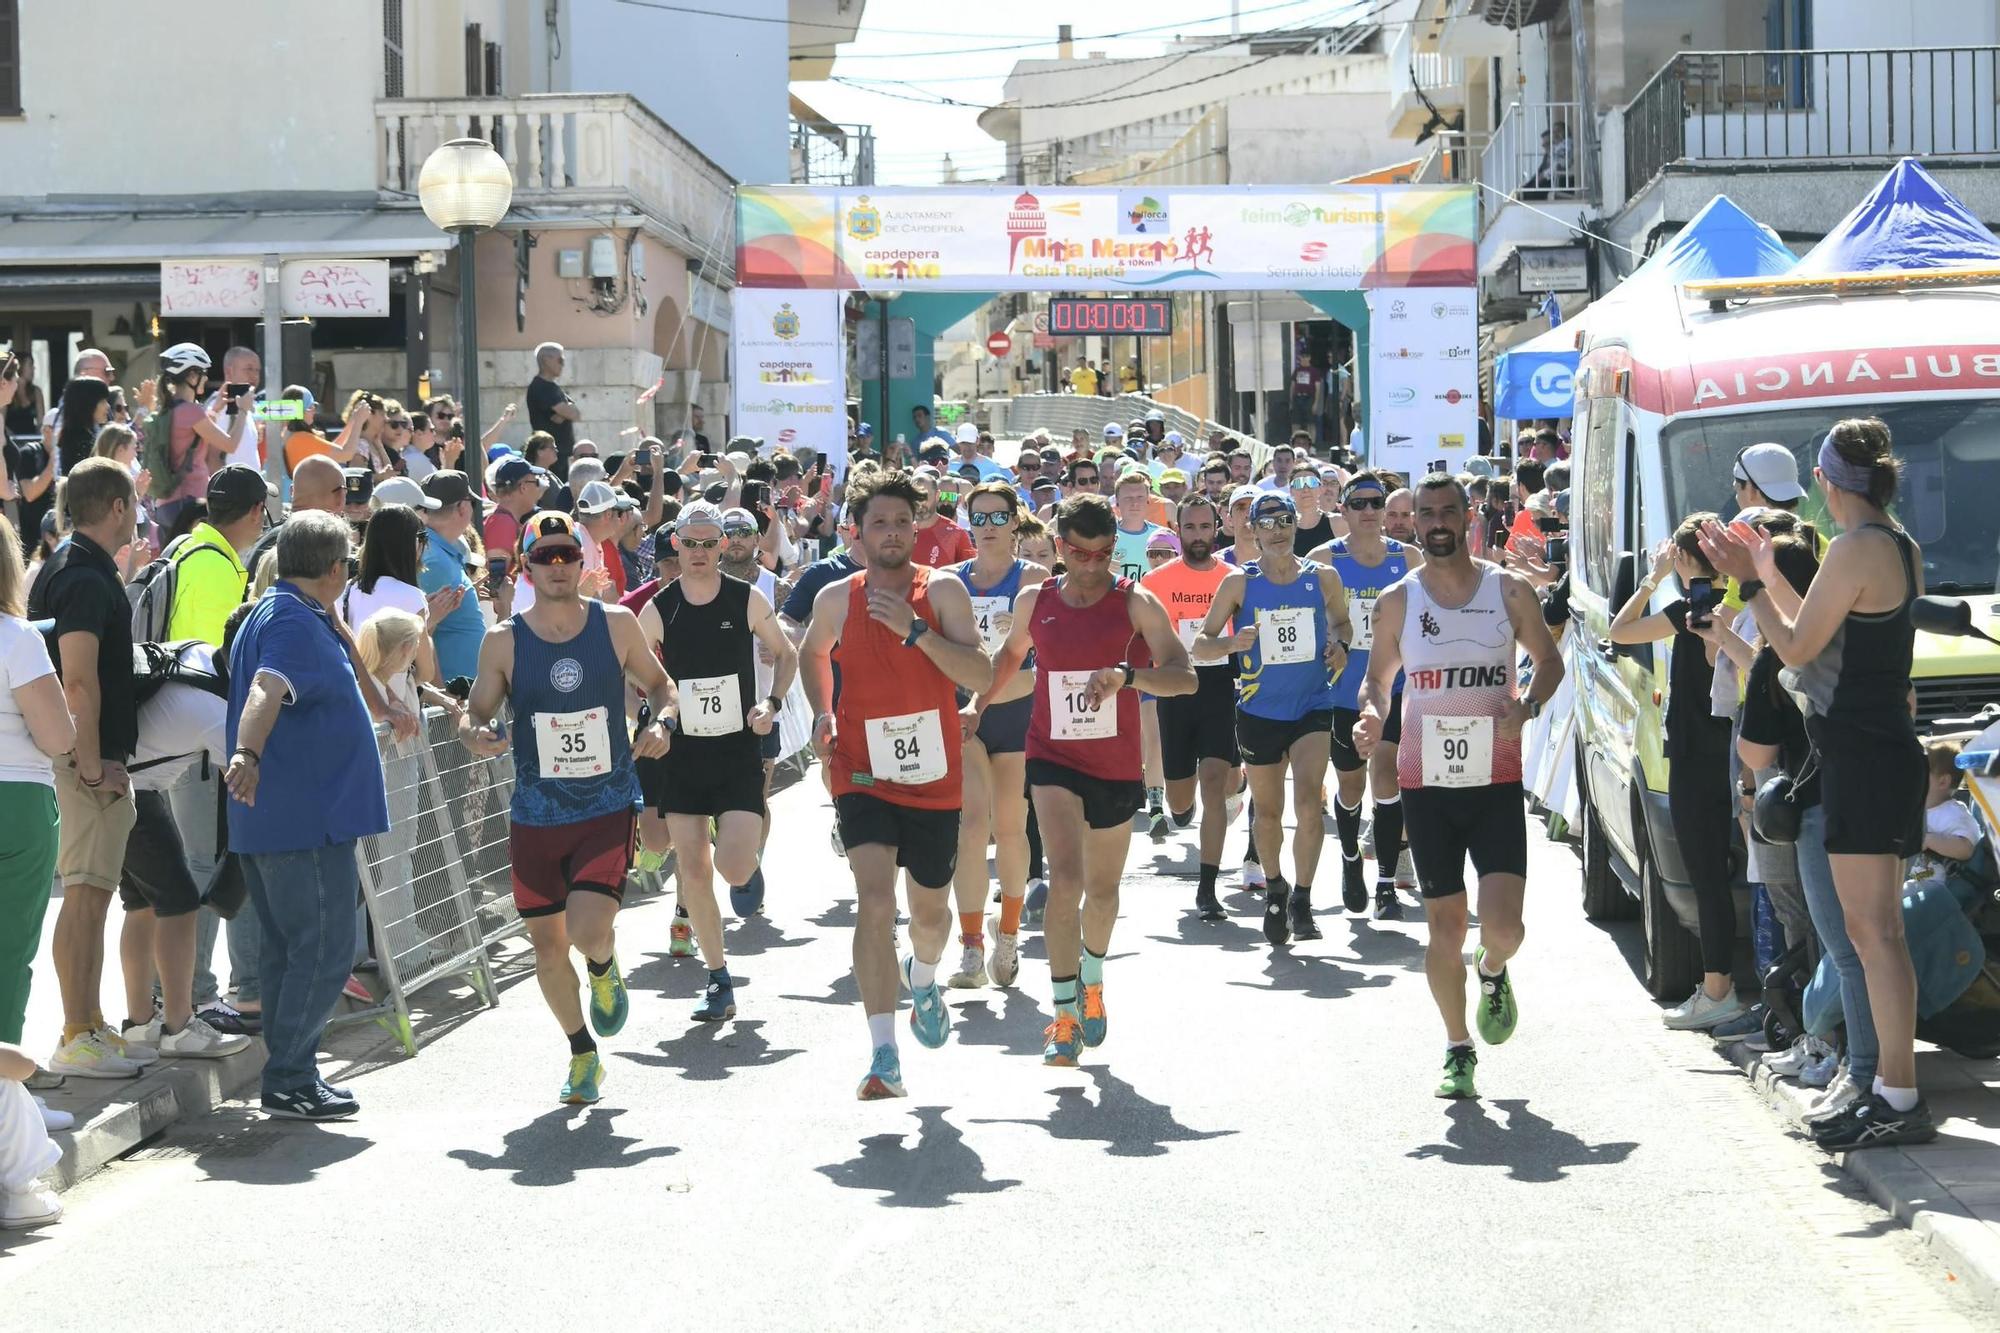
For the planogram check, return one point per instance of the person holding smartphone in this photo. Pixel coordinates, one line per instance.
(1700, 759)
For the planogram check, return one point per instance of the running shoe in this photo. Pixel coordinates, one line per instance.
(1872, 1123)
(311, 1102)
(1353, 885)
(839, 847)
(929, 1019)
(229, 1020)
(54, 1121)
(355, 991)
(971, 974)
(1792, 1062)
(1406, 872)
(1064, 1045)
(1095, 1022)
(1748, 1024)
(1388, 907)
(680, 936)
(1303, 925)
(33, 1206)
(1252, 876)
(1277, 916)
(1459, 1063)
(649, 862)
(586, 1073)
(1820, 1073)
(1700, 1012)
(1232, 806)
(88, 1055)
(1838, 1095)
(718, 1002)
(747, 898)
(1036, 904)
(1005, 966)
(138, 1052)
(608, 1003)
(885, 1076)
(1208, 906)
(1497, 1011)
(199, 1041)
(1158, 825)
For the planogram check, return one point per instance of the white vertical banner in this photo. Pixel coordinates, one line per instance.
(1424, 383)
(790, 376)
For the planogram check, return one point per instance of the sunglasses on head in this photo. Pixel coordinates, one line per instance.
(1367, 501)
(1083, 555)
(1272, 522)
(980, 519)
(697, 543)
(555, 555)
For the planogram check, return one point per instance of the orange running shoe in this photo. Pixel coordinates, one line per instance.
(1065, 1040)
(1094, 1021)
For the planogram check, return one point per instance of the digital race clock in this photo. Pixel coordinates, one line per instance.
(1129, 316)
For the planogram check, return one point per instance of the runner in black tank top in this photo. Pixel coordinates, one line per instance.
(705, 627)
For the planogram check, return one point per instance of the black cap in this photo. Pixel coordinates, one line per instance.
(236, 490)
(448, 487)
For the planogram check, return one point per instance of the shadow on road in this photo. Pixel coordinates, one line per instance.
(242, 1146)
(711, 1051)
(840, 916)
(1228, 936)
(1126, 1123)
(842, 990)
(758, 934)
(1384, 946)
(932, 1175)
(670, 977)
(1312, 975)
(552, 1148)
(1531, 1148)
(1016, 1028)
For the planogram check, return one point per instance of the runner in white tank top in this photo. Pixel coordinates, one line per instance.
(1456, 627)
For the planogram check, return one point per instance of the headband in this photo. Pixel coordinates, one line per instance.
(1361, 484)
(1855, 477)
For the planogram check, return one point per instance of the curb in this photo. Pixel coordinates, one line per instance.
(137, 1109)
(1898, 1182)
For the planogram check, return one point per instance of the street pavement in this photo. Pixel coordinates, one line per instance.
(1256, 1143)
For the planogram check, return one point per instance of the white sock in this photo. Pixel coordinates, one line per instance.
(922, 974)
(1899, 1099)
(881, 1030)
(1876, 1086)
(1481, 967)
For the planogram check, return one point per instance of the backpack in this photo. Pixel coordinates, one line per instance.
(151, 590)
(156, 665)
(156, 453)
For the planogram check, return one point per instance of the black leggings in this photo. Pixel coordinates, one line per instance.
(1700, 802)
(1035, 868)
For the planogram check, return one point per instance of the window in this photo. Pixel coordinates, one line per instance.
(392, 48)
(1598, 558)
(475, 61)
(10, 58)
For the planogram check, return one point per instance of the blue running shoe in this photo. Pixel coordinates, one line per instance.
(1095, 1023)
(718, 1002)
(748, 897)
(586, 1072)
(929, 1019)
(608, 1003)
(885, 1077)
(1065, 1040)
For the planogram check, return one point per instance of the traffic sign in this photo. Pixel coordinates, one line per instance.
(999, 344)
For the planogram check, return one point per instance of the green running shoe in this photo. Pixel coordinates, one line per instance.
(608, 1005)
(1497, 1012)
(586, 1071)
(1459, 1062)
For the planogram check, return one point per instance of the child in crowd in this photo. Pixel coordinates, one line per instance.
(25, 1149)
(1950, 833)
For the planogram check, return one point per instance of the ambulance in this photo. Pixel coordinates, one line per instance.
(1671, 387)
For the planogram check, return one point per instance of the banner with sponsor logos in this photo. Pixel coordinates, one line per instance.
(1425, 381)
(790, 371)
(1061, 238)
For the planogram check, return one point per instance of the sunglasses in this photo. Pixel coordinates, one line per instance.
(1272, 522)
(980, 519)
(1304, 482)
(1160, 554)
(1367, 501)
(555, 555)
(1083, 555)
(1085, 479)
(698, 543)
(739, 530)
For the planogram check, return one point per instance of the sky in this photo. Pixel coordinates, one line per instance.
(903, 52)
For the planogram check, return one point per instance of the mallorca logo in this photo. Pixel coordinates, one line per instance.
(1142, 214)
(566, 674)
(786, 322)
(864, 220)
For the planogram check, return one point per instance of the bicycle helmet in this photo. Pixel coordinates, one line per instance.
(1156, 415)
(183, 357)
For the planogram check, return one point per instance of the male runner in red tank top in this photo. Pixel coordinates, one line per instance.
(1096, 640)
(904, 642)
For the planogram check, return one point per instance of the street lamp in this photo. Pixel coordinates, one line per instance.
(465, 189)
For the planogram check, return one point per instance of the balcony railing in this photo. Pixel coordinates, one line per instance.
(1781, 106)
(1441, 77)
(1448, 159)
(567, 149)
(1534, 154)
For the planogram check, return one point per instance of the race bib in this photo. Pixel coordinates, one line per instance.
(712, 706)
(908, 748)
(1071, 718)
(1458, 751)
(1287, 634)
(995, 617)
(1361, 610)
(574, 745)
(1188, 630)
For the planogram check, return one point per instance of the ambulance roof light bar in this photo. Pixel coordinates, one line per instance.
(1718, 291)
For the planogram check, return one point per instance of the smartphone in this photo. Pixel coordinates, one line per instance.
(756, 495)
(826, 486)
(1440, 465)
(1701, 600)
(457, 430)
(1548, 523)
(706, 460)
(237, 390)
(1557, 551)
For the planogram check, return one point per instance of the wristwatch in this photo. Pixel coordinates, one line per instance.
(918, 628)
(1534, 708)
(1130, 672)
(777, 704)
(1748, 591)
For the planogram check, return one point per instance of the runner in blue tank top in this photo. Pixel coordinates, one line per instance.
(1369, 564)
(561, 666)
(1290, 643)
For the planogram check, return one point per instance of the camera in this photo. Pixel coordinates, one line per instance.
(457, 430)
(1548, 523)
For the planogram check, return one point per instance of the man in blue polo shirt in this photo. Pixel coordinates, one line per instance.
(458, 635)
(305, 784)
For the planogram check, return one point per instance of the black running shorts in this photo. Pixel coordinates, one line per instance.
(1345, 759)
(926, 841)
(1199, 726)
(697, 780)
(1106, 804)
(1444, 825)
(1268, 740)
(1003, 728)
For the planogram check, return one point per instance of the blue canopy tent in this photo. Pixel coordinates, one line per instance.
(1908, 221)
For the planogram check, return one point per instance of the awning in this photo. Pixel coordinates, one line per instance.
(1537, 378)
(99, 237)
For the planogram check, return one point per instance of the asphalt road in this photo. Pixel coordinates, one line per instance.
(1256, 1144)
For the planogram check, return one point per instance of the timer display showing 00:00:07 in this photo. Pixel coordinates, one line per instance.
(1131, 316)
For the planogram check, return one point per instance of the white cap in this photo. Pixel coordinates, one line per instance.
(968, 433)
(599, 498)
(402, 491)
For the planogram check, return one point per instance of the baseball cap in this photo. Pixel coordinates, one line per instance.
(738, 517)
(448, 487)
(968, 433)
(1114, 431)
(864, 430)
(511, 471)
(599, 498)
(237, 488)
(546, 523)
(1174, 438)
(700, 514)
(1156, 415)
(395, 491)
(1772, 469)
(1172, 476)
(1163, 540)
(1246, 492)
(1272, 502)
(500, 451)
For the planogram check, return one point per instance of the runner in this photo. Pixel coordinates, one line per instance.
(995, 730)
(739, 561)
(902, 641)
(1095, 638)
(1455, 623)
(704, 626)
(561, 666)
(1293, 643)
(1198, 731)
(1368, 564)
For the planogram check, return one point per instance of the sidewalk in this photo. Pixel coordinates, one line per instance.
(1948, 1191)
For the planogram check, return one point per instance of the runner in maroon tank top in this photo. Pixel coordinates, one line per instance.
(1097, 641)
